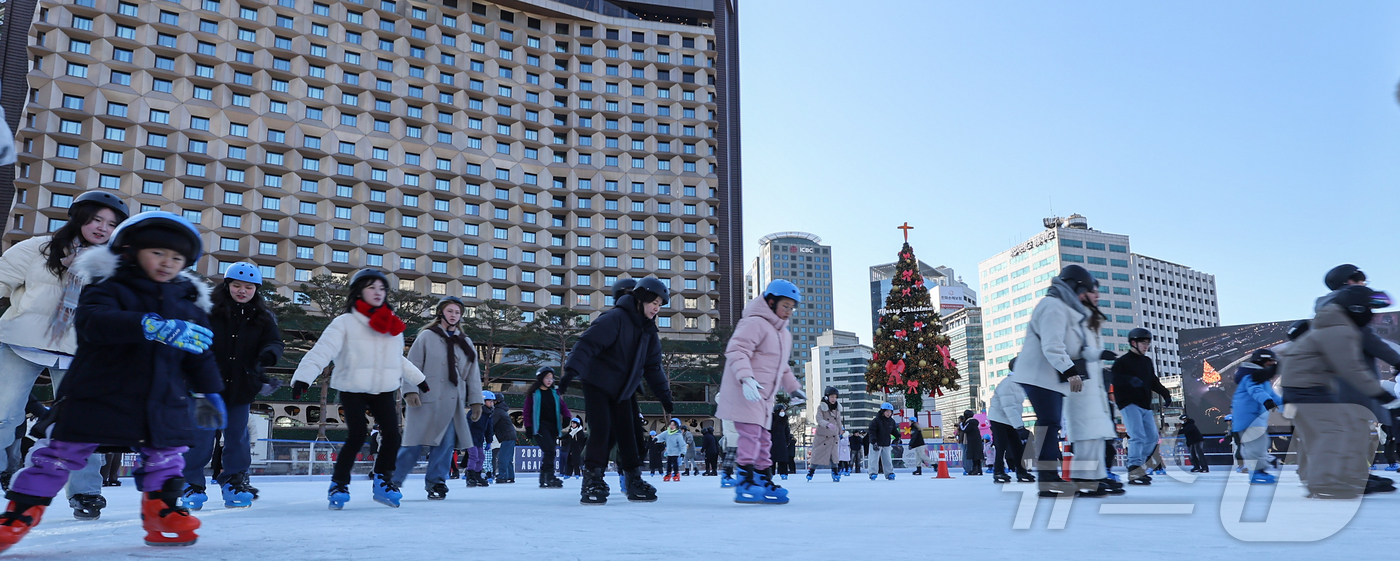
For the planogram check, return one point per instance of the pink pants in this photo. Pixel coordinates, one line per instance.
(755, 445)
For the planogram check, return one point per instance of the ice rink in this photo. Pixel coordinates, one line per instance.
(910, 518)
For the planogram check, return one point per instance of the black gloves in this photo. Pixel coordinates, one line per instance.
(1270, 405)
(667, 405)
(267, 358)
(299, 390)
(423, 386)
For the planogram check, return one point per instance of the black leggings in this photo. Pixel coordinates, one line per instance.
(384, 408)
(606, 415)
(546, 442)
(711, 463)
(1009, 449)
(673, 465)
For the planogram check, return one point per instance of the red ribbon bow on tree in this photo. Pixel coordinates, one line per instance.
(943, 352)
(918, 325)
(919, 283)
(901, 334)
(894, 370)
(907, 275)
(905, 292)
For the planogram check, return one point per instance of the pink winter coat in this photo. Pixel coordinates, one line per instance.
(760, 348)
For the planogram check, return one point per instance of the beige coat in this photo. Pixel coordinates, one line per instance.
(445, 405)
(34, 294)
(827, 440)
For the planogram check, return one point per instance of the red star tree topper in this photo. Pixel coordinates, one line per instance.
(911, 352)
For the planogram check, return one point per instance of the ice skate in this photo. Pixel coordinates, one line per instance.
(385, 492)
(1089, 488)
(1262, 478)
(594, 490)
(873, 476)
(667, 478)
(773, 493)
(18, 518)
(836, 475)
(749, 490)
(783, 476)
(810, 473)
(194, 497)
(676, 478)
(1393, 467)
(997, 478)
(338, 494)
(165, 521)
(235, 492)
(889, 477)
(437, 492)
(1051, 485)
(548, 481)
(638, 490)
(728, 481)
(87, 507)
(1025, 477)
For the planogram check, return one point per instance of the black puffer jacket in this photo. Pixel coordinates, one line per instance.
(501, 425)
(616, 352)
(244, 345)
(1134, 380)
(882, 430)
(780, 430)
(123, 390)
(1191, 432)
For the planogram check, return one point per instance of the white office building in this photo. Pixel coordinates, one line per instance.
(1171, 298)
(839, 360)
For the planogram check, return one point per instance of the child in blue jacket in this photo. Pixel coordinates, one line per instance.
(675, 448)
(1254, 399)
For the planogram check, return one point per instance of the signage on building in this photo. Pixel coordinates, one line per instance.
(1037, 241)
(888, 311)
(951, 298)
(806, 250)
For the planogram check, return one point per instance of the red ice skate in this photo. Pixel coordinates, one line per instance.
(166, 522)
(16, 522)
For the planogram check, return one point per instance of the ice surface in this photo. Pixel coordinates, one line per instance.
(909, 518)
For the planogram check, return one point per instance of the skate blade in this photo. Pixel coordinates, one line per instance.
(157, 539)
(387, 503)
(237, 505)
(593, 503)
(86, 518)
(641, 500)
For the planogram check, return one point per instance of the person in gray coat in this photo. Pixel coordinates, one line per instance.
(437, 419)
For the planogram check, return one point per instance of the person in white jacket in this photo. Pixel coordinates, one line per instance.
(366, 345)
(36, 332)
(1005, 417)
(1060, 361)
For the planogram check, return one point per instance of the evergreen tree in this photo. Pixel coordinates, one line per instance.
(911, 352)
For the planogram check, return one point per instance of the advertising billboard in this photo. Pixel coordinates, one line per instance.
(1211, 356)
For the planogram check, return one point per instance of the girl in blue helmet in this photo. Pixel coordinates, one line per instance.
(675, 448)
(141, 378)
(884, 433)
(246, 343)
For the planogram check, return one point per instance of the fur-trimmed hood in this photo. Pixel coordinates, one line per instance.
(101, 263)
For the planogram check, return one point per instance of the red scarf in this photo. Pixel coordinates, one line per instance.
(381, 319)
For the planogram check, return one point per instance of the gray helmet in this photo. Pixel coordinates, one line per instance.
(623, 286)
(450, 300)
(1139, 333)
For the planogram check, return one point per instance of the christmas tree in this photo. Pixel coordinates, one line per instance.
(911, 352)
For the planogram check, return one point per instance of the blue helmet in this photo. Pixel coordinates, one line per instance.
(485, 395)
(653, 433)
(784, 289)
(246, 272)
(887, 406)
(176, 224)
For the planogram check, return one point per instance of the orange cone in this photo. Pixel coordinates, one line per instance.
(1067, 455)
(942, 465)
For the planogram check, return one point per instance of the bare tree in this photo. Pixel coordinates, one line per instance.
(554, 332)
(492, 326)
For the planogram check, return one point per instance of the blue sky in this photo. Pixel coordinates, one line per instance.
(1258, 141)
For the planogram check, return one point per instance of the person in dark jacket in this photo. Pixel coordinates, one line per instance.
(857, 451)
(656, 454)
(572, 443)
(917, 448)
(1194, 445)
(481, 441)
(504, 431)
(780, 448)
(141, 377)
(709, 445)
(1134, 382)
(544, 415)
(246, 342)
(620, 349)
(883, 436)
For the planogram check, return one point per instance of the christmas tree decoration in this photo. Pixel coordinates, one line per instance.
(911, 353)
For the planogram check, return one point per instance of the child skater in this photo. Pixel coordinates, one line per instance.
(366, 344)
(142, 335)
(756, 365)
(675, 448)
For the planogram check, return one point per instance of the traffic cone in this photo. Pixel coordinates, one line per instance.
(942, 465)
(1067, 455)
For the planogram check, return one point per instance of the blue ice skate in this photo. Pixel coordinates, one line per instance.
(755, 488)
(338, 495)
(1392, 467)
(235, 497)
(1114, 476)
(836, 476)
(726, 481)
(385, 492)
(1160, 471)
(784, 476)
(809, 476)
(873, 476)
(194, 497)
(622, 482)
(889, 477)
(1262, 478)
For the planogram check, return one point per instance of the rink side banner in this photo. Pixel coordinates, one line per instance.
(1210, 357)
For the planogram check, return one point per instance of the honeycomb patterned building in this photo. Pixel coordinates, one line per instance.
(531, 151)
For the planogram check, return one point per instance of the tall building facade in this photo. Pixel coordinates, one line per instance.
(1172, 297)
(531, 151)
(947, 291)
(839, 361)
(1014, 280)
(801, 258)
(964, 330)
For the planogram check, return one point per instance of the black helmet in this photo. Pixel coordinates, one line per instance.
(101, 198)
(1339, 275)
(830, 390)
(779, 408)
(544, 370)
(649, 288)
(367, 275)
(1139, 333)
(1298, 329)
(450, 300)
(1078, 279)
(1260, 356)
(1359, 301)
(623, 286)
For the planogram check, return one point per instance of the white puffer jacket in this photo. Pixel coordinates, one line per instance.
(1007, 403)
(366, 361)
(34, 294)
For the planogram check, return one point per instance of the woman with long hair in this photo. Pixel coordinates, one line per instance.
(544, 413)
(246, 342)
(36, 332)
(366, 345)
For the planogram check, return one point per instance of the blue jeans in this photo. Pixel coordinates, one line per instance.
(238, 453)
(1142, 433)
(505, 460)
(439, 460)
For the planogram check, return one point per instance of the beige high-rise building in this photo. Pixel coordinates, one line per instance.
(532, 151)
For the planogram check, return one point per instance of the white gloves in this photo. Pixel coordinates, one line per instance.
(751, 388)
(798, 398)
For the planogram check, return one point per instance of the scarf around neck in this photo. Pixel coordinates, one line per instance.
(455, 339)
(381, 319)
(72, 285)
